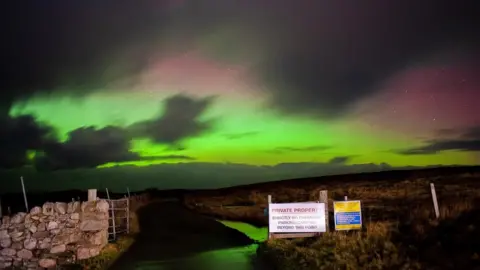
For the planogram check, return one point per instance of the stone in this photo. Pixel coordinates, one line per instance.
(30, 243)
(61, 208)
(8, 252)
(28, 219)
(73, 207)
(75, 216)
(45, 243)
(41, 227)
(17, 245)
(25, 254)
(100, 238)
(5, 259)
(47, 263)
(40, 235)
(4, 265)
(37, 210)
(55, 231)
(85, 252)
(58, 249)
(52, 225)
(32, 228)
(4, 234)
(102, 206)
(5, 242)
(48, 209)
(18, 218)
(5, 221)
(94, 225)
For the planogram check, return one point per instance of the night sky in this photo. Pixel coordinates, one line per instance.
(221, 92)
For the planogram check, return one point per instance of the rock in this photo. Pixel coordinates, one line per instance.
(52, 225)
(5, 242)
(17, 245)
(25, 254)
(40, 235)
(28, 219)
(48, 209)
(75, 216)
(4, 234)
(30, 243)
(41, 227)
(4, 265)
(55, 231)
(18, 218)
(10, 252)
(37, 210)
(5, 259)
(35, 217)
(61, 208)
(45, 243)
(47, 263)
(85, 252)
(102, 206)
(5, 221)
(32, 228)
(58, 249)
(93, 225)
(100, 238)
(73, 207)
(17, 236)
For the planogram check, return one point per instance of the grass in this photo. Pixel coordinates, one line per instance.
(400, 229)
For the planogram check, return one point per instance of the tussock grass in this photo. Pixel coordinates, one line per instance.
(400, 229)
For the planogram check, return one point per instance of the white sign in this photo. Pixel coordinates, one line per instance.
(296, 217)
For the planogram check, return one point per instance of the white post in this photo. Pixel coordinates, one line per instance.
(268, 215)
(346, 198)
(128, 192)
(24, 195)
(435, 202)
(92, 195)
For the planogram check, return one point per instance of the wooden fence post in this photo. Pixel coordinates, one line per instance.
(435, 202)
(324, 199)
(128, 215)
(268, 215)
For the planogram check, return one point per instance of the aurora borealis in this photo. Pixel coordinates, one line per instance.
(234, 82)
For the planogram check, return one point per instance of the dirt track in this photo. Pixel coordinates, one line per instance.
(170, 231)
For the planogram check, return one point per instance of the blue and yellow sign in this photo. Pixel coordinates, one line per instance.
(348, 215)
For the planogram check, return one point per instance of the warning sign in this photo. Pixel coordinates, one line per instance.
(348, 215)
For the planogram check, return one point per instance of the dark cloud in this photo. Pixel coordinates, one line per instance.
(316, 57)
(180, 120)
(236, 136)
(18, 135)
(468, 140)
(87, 148)
(340, 160)
(168, 157)
(286, 149)
(337, 54)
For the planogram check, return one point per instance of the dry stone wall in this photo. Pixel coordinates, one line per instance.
(54, 234)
